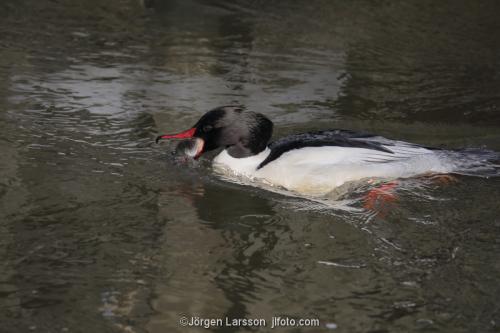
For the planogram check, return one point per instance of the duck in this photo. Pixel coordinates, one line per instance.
(315, 163)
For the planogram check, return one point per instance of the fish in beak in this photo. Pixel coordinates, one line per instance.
(192, 148)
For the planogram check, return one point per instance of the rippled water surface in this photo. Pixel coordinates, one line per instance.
(103, 231)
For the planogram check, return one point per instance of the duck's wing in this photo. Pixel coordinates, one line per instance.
(377, 149)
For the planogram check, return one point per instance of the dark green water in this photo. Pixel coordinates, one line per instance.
(101, 231)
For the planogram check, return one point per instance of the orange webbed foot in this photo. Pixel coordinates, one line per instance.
(379, 198)
(443, 179)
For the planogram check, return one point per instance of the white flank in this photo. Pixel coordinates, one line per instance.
(318, 170)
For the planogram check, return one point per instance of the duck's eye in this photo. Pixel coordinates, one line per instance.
(207, 128)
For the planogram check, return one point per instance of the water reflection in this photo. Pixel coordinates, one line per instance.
(436, 76)
(193, 253)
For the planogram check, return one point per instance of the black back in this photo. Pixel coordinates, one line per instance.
(339, 138)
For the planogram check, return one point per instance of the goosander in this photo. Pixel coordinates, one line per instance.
(317, 162)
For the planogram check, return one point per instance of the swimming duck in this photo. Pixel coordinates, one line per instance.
(315, 163)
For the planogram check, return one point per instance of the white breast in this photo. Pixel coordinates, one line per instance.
(246, 166)
(318, 170)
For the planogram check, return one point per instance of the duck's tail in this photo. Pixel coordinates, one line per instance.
(476, 162)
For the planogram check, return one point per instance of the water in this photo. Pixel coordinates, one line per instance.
(102, 230)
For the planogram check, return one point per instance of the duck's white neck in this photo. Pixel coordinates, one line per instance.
(243, 166)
